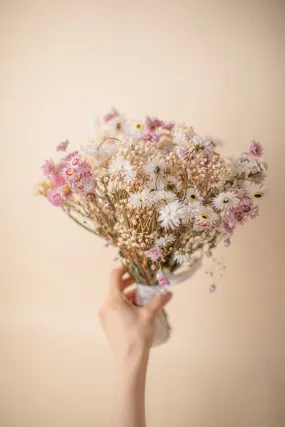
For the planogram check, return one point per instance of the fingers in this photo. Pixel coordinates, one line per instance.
(117, 283)
(158, 303)
(130, 295)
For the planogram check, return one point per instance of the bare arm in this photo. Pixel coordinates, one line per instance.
(130, 330)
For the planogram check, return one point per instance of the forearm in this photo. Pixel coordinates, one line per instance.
(129, 408)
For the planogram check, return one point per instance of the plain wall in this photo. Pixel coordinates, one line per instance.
(219, 66)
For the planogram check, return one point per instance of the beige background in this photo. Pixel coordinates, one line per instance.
(218, 65)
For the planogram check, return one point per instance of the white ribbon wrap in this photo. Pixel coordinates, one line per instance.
(145, 293)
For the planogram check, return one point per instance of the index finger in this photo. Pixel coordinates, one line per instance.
(116, 280)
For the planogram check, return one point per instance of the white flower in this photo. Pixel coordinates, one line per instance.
(255, 191)
(225, 201)
(165, 240)
(117, 164)
(173, 181)
(154, 167)
(116, 126)
(201, 141)
(193, 195)
(135, 129)
(249, 165)
(129, 172)
(182, 143)
(191, 209)
(206, 216)
(124, 167)
(171, 214)
(157, 183)
(141, 199)
(162, 196)
(180, 138)
(180, 258)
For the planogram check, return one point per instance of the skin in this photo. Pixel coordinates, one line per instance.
(130, 331)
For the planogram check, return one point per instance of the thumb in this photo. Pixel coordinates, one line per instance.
(158, 302)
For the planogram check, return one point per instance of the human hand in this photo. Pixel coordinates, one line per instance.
(130, 329)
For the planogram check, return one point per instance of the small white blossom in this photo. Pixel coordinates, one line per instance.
(207, 216)
(255, 191)
(201, 141)
(171, 214)
(154, 167)
(135, 129)
(182, 143)
(181, 258)
(165, 240)
(124, 167)
(225, 201)
(162, 196)
(191, 209)
(193, 195)
(141, 199)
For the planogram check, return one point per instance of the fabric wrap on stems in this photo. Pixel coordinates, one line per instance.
(145, 293)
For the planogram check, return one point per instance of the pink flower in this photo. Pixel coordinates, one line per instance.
(68, 172)
(228, 225)
(148, 136)
(55, 197)
(248, 208)
(49, 167)
(62, 146)
(154, 253)
(161, 280)
(255, 149)
(87, 175)
(152, 123)
(227, 242)
(58, 180)
(168, 125)
(110, 116)
(74, 159)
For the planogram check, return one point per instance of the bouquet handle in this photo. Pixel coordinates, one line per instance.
(144, 294)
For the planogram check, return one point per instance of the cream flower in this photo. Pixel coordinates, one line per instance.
(207, 216)
(162, 196)
(154, 167)
(191, 210)
(193, 195)
(201, 141)
(123, 167)
(181, 258)
(165, 240)
(135, 129)
(170, 215)
(255, 191)
(226, 201)
(141, 199)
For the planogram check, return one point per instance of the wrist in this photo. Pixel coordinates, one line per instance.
(133, 360)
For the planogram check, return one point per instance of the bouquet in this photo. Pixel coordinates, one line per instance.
(159, 192)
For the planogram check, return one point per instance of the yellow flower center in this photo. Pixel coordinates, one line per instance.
(204, 216)
(70, 171)
(91, 197)
(66, 191)
(78, 178)
(74, 161)
(225, 201)
(138, 126)
(257, 195)
(88, 174)
(147, 137)
(192, 196)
